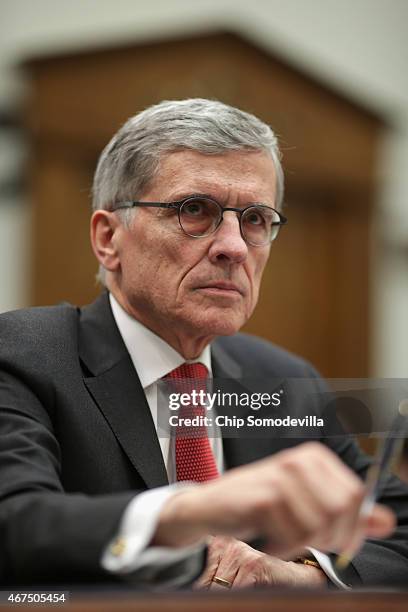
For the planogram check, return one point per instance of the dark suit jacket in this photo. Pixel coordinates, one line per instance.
(77, 441)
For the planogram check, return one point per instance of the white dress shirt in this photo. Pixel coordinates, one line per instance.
(153, 359)
(129, 552)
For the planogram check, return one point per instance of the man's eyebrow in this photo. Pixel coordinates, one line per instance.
(190, 194)
(194, 194)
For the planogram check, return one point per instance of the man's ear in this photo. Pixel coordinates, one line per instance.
(104, 226)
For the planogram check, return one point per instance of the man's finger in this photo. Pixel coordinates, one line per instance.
(381, 522)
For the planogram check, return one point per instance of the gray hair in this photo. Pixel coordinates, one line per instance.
(131, 159)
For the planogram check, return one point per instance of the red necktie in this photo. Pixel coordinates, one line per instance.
(194, 457)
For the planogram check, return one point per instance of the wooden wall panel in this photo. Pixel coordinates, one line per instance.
(315, 294)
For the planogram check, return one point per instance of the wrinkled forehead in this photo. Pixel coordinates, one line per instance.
(246, 173)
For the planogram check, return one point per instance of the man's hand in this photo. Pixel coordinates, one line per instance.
(243, 566)
(300, 497)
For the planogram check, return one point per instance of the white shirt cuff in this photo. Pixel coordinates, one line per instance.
(129, 553)
(325, 563)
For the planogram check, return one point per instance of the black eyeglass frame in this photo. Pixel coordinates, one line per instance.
(178, 204)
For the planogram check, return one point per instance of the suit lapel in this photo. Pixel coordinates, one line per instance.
(240, 450)
(115, 387)
(223, 365)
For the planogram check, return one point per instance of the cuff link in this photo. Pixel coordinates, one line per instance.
(118, 547)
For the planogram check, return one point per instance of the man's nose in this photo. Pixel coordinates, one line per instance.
(227, 243)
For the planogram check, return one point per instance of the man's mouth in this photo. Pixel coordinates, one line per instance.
(222, 288)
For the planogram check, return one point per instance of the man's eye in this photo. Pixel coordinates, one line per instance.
(194, 209)
(255, 218)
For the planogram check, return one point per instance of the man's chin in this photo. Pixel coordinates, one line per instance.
(221, 326)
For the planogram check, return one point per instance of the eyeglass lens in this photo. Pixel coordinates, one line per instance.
(201, 217)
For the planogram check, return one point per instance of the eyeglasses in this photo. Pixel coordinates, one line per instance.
(200, 216)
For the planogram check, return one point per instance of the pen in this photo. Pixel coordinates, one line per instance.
(387, 451)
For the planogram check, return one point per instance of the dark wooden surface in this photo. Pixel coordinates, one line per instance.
(261, 601)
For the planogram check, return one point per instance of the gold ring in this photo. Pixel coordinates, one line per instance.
(307, 561)
(222, 582)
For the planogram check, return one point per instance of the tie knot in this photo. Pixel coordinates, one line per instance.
(188, 377)
(197, 371)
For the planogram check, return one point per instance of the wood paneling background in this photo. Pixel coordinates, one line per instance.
(315, 298)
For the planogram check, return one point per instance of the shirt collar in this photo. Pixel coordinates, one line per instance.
(152, 357)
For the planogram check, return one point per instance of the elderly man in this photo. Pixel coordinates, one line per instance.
(187, 200)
